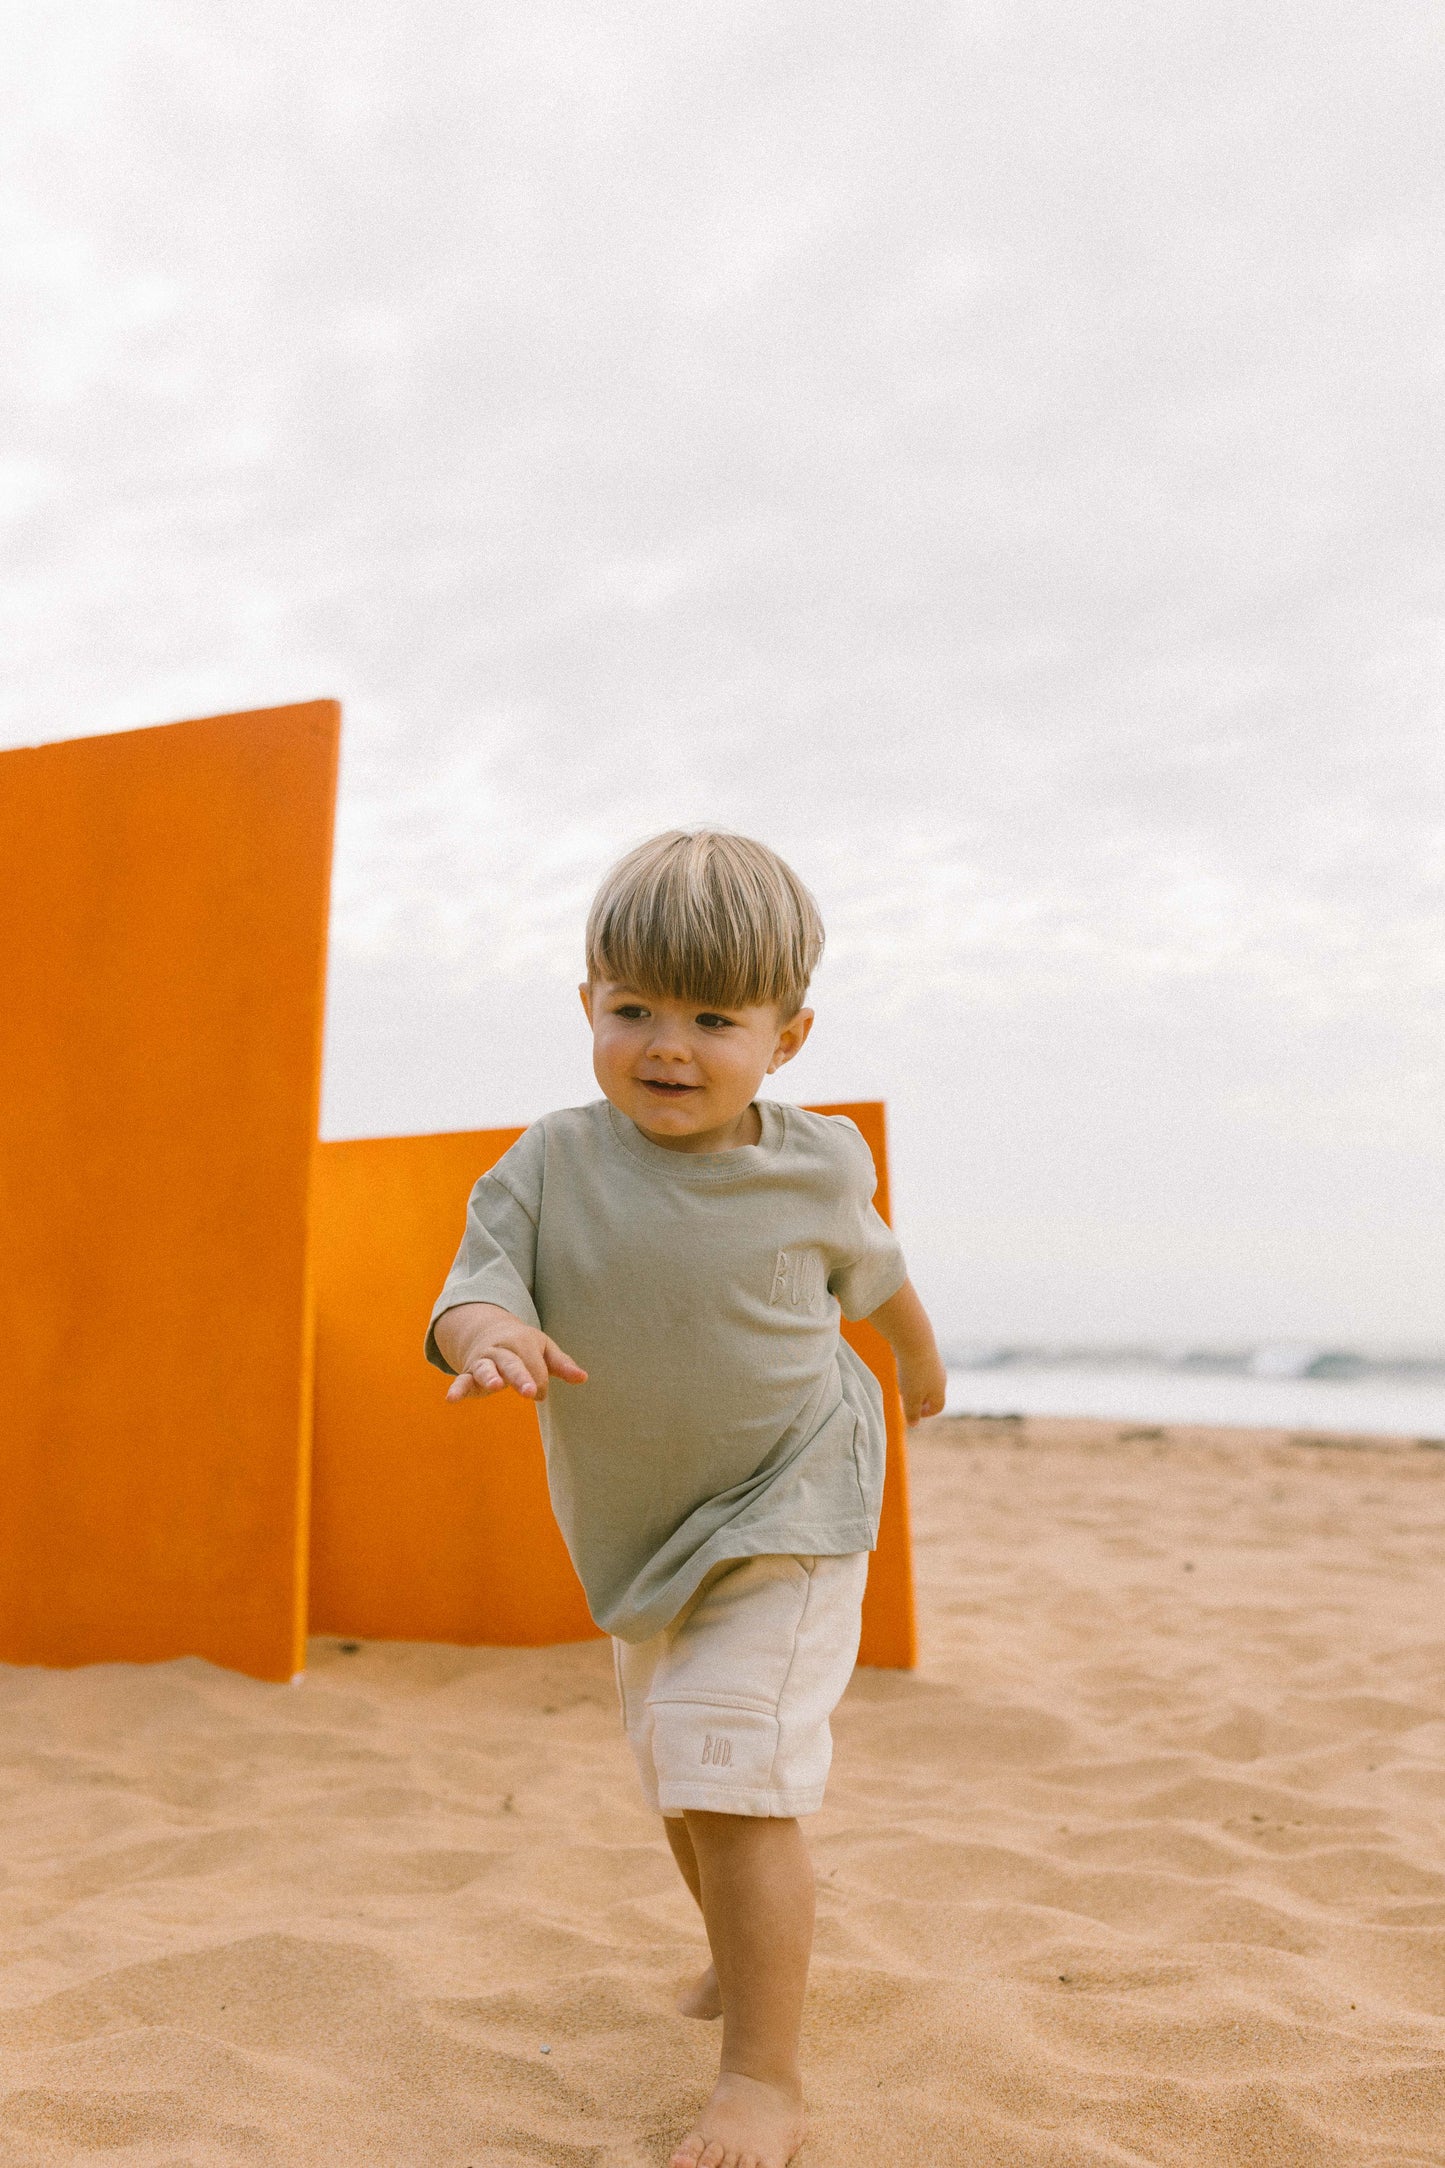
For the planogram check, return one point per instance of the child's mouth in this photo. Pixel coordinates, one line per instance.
(655, 1084)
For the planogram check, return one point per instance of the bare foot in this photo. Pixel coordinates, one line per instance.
(703, 1998)
(746, 2124)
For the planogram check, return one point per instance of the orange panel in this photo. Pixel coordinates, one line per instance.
(163, 901)
(431, 1521)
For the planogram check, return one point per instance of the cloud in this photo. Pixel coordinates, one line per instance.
(981, 449)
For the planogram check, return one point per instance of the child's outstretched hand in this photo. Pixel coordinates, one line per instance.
(490, 1349)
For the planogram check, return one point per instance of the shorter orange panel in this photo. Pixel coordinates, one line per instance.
(429, 1521)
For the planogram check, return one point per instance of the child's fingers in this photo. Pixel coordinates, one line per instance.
(519, 1375)
(506, 1366)
(483, 1377)
(561, 1364)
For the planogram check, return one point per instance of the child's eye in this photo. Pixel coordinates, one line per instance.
(713, 1023)
(632, 1010)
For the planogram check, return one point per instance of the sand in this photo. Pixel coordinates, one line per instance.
(1145, 1864)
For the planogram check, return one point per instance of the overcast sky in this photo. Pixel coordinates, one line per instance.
(993, 452)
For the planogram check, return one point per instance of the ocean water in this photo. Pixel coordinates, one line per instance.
(1384, 1403)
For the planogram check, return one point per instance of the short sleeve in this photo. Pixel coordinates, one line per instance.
(868, 1266)
(498, 1255)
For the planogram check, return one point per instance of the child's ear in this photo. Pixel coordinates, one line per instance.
(585, 990)
(790, 1039)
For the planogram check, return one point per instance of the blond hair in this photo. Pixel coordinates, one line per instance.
(704, 915)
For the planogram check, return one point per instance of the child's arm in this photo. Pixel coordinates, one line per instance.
(490, 1349)
(903, 1322)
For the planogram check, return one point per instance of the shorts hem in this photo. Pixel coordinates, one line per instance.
(717, 1799)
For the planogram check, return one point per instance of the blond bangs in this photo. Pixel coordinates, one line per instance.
(706, 916)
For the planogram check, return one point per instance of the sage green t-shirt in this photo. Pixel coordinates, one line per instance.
(724, 1416)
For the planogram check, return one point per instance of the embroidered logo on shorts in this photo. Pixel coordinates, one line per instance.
(719, 1752)
(798, 1279)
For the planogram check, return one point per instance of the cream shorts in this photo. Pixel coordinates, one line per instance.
(727, 1708)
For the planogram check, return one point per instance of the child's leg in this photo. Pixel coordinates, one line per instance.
(727, 1712)
(756, 1883)
(704, 1997)
(676, 1830)
(757, 1899)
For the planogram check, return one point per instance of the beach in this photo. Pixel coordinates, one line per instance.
(1144, 1864)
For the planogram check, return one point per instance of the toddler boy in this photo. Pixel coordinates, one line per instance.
(717, 1466)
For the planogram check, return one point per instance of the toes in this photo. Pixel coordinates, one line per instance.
(689, 2152)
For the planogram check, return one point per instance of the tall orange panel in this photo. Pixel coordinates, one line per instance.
(163, 907)
(430, 1521)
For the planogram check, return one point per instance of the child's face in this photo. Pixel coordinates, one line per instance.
(687, 1075)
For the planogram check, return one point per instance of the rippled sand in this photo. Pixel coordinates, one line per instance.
(1144, 1865)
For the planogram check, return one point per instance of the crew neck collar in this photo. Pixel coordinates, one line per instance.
(727, 1166)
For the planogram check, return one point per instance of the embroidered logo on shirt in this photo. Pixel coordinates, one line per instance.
(717, 1751)
(798, 1279)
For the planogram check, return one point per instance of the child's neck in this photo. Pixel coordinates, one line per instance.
(744, 1128)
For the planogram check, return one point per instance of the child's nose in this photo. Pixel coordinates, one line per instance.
(668, 1044)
